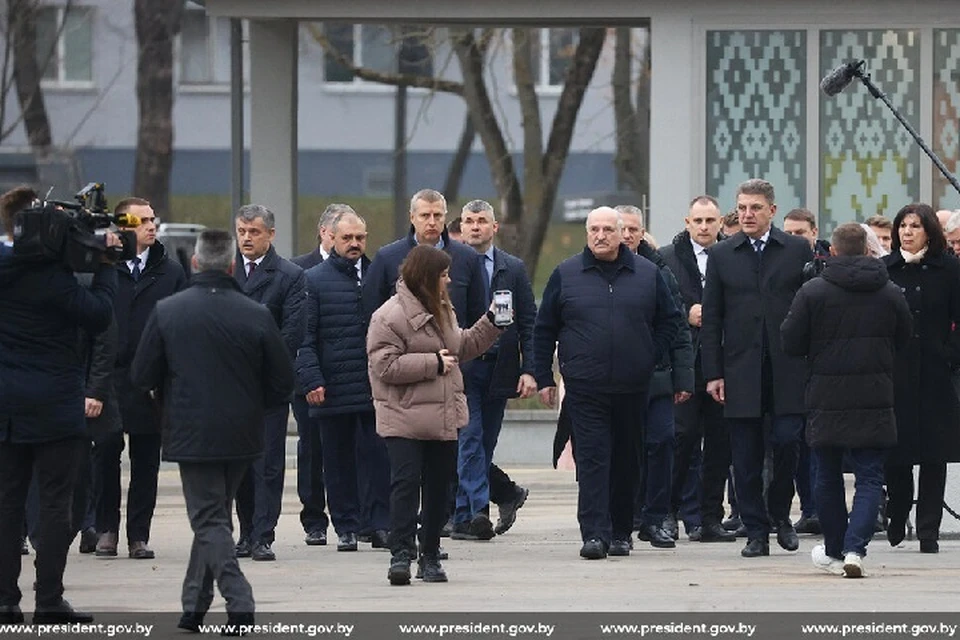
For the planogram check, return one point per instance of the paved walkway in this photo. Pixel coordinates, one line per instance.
(534, 567)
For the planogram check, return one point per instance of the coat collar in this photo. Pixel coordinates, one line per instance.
(894, 260)
(412, 240)
(213, 280)
(624, 259)
(413, 309)
(777, 236)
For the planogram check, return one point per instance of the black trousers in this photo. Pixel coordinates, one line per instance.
(55, 465)
(700, 419)
(208, 491)
(933, 482)
(357, 473)
(607, 429)
(260, 496)
(420, 473)
(310, 486)
(141, 494)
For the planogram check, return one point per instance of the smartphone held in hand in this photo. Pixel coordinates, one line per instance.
(502, 308)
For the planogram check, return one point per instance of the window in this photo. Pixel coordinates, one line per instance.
(65, 45)
(205, 49)
(375, 47)
(553, 50)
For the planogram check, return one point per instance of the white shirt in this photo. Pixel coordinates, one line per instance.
(765, 238)
(324, 253)
(246, 263)
(143, 260)
(700, 253)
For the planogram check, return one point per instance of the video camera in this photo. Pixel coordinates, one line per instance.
(66, 231)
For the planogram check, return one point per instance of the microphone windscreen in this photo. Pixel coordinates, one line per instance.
(838, 79)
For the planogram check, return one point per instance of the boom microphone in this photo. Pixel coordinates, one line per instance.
(838, 79)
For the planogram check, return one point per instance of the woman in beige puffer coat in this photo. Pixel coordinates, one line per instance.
(414, 348)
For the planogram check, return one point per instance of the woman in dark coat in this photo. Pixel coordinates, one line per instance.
(926, 405)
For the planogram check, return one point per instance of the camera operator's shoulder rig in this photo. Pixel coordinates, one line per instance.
(66, 231)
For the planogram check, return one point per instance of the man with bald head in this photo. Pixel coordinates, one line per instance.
(613, 317)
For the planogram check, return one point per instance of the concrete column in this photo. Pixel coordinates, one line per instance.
(674, 143)
(273, 125)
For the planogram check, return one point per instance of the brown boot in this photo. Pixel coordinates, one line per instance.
(107, 545)
(140, 551)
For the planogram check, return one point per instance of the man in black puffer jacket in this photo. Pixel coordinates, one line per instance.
(332, 371)
(848, 323)
(220, 363)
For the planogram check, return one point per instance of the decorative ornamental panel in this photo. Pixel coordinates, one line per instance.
(756, 113)
(946, 114)
(868, 161)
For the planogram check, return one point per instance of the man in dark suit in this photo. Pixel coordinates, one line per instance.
(613, 317)
(310, 487)
(278, 284)
(142, 282)
(700, 418)
(332, 369)
(213, 426)
(752, 278)
(504, 371)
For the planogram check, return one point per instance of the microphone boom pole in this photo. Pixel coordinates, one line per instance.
(875, 91)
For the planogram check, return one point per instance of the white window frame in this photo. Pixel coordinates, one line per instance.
(61, 82)
(359, 85)
(215, 51)
(542, 86)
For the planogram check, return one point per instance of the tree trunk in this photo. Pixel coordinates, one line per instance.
(157, 22)
(451, 188)
(579, 73)
(623, 114)
(642, 124)
(21, 21)
(471, 58)
(533, 183)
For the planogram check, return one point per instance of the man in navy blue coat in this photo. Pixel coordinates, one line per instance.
(42, 424)
(310, 487)
(278, 284)
(332, 369)
(495, 376)
(428, 212)
(614, 318)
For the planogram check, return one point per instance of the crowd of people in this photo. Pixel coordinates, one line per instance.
(687, 370)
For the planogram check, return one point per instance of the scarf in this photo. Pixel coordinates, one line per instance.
(913, 258)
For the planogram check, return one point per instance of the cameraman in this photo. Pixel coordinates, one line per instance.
(42, 426)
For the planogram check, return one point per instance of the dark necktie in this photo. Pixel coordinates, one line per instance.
(253, 267)
(135, 272)
(488, 294)
(758, 245)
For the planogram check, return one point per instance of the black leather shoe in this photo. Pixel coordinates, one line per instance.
(447, 529)
(716, 533)
(508, 511)
(480, 528)
(732, 523)
(11, 614)
(190, 622)
(399, 571)
(787, 536)
(670, 526)
(756, 548)
(348, 542)
(656, 536)
(808, 524)
(242, 549)
(929, 546)
(316, 538)
(896, 531)
(262, 552)
(694, 534)
(88, 540)
(429, 569)
(619, 548)
(365, 538)
(378, 539)
(59, 613)
(594, 549)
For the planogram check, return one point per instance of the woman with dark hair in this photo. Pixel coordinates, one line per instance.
(926, 406)
(414, 348)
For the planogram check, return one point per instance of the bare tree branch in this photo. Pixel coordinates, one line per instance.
(523, 52)
(364, 73)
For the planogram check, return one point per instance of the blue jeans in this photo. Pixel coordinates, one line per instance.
(476, 442)
(843, 533)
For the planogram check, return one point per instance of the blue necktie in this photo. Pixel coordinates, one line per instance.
(135, 272)
(758, 245)
(488, 293)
